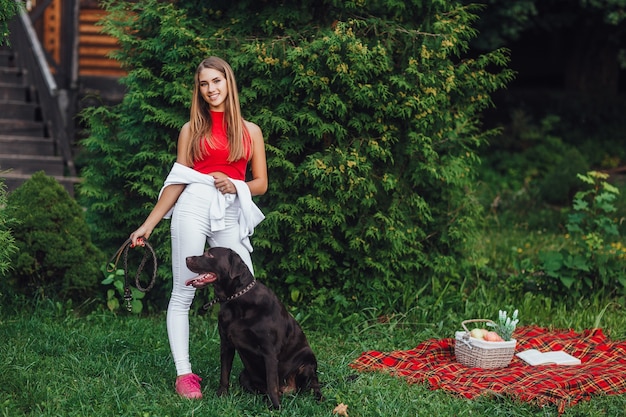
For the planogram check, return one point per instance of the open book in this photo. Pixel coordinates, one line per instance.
(558, 357)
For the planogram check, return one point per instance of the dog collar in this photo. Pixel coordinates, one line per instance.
(232, 297)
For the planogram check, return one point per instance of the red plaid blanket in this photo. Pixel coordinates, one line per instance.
(603, 368)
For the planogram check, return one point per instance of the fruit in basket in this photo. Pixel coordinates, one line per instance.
(478, 333)
(493, 337)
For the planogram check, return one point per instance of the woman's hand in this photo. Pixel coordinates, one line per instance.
(223, 183)
(138, 236)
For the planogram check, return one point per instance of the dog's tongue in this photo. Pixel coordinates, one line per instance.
(201, 280)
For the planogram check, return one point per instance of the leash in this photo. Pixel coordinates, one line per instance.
(123, 250)
(214, 301)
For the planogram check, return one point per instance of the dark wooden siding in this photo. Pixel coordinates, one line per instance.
(94, 47)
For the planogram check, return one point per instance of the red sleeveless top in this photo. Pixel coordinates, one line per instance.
(216, 157)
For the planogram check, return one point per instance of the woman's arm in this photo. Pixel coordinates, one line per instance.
(258, 163)
(168, 198)
(170, 194)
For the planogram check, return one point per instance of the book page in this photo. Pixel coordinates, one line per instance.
(559, 357)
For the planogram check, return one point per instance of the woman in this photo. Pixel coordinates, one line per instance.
(206, 196)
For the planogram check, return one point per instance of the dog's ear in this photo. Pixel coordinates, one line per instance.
(237, 266)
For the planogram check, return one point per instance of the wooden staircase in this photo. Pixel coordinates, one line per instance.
(25, 143)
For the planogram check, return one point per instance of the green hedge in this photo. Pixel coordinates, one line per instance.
(7, 241)
(370, 112)
(55, 256)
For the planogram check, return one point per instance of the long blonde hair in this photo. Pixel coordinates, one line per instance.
(200, 117)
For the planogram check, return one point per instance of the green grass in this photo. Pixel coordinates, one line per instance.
(54, 362)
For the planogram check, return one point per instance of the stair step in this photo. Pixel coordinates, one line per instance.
(12, 75)
(22, 127)
(29, 164)
(10, 91)
(20, 110)
(7, 58)
(13, 180)
(26, 145)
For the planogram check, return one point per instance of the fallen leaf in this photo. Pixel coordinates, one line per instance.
(341, 409)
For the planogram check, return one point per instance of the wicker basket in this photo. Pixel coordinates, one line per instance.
(477, 353)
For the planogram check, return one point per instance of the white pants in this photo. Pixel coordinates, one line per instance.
(191, 230)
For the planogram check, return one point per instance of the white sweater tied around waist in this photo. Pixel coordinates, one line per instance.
(249, 214)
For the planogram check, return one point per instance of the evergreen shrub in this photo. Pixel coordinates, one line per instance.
(7, 241)
(529, 172)
(371, 115)
(56, 258)
(8, 9)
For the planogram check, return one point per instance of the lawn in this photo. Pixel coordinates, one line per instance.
(56, 362)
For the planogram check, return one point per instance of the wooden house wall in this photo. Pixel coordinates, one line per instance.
(52, 30)
(93, 45)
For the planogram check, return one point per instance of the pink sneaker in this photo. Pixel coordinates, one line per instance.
(188, 386)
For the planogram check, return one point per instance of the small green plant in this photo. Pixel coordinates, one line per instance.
(115, 277)
(505, 326)
(590, 255)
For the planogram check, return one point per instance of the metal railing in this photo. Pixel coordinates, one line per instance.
(54, 102)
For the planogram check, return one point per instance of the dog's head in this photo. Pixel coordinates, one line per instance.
(221, 267)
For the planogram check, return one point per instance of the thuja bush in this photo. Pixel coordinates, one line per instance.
(55, 256)
(8, 9)
(371, 115)
(7, 241)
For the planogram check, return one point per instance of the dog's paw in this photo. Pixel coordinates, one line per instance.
(274, 405)
(319, 397)
(222, 391)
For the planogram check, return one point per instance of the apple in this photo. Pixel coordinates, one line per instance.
(478, 333)
(493, 337)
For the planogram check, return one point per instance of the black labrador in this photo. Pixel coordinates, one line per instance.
(252, 321)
